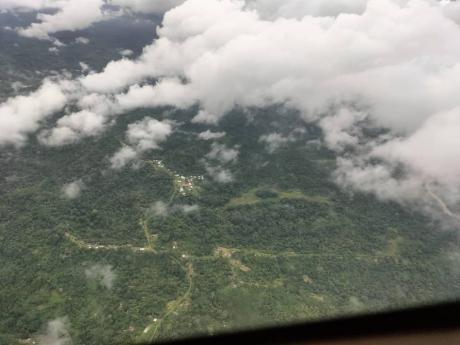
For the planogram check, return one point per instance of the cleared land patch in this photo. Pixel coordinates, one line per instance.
(258, 195)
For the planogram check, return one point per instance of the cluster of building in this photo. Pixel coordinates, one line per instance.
(184, 184)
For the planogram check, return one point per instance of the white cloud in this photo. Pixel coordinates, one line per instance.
(188, 208)
(275, 140)
(103, 274)
(184, 54)
(57, 43)
(268, 9)
(143, 135)
(72, 15)
(169, 91)
(222, 154)
(205, 116)
(54, 50)
(84, 67)
(432, 150)
(75, 15)
(148, 133)
(147, 6)
(57, 333)
(17, 86)
(273, 9)
(219, 174)
(420, 169)
(116, 76)
(98, 113)
(22, 115)
(340, 130)
(73, 189)
(26, 4)
(429, 158)
(161, 209)
(126, 52)
(208, 135)
(73, 127)
(122, 157)
(82, 40)
(203, 53)
(217, 160)
(357, 174)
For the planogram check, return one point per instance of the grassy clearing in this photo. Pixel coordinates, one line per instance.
(251, 197)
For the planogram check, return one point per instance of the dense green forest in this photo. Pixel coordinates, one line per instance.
(280, 243)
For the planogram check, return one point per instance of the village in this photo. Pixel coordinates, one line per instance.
(185, 185)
